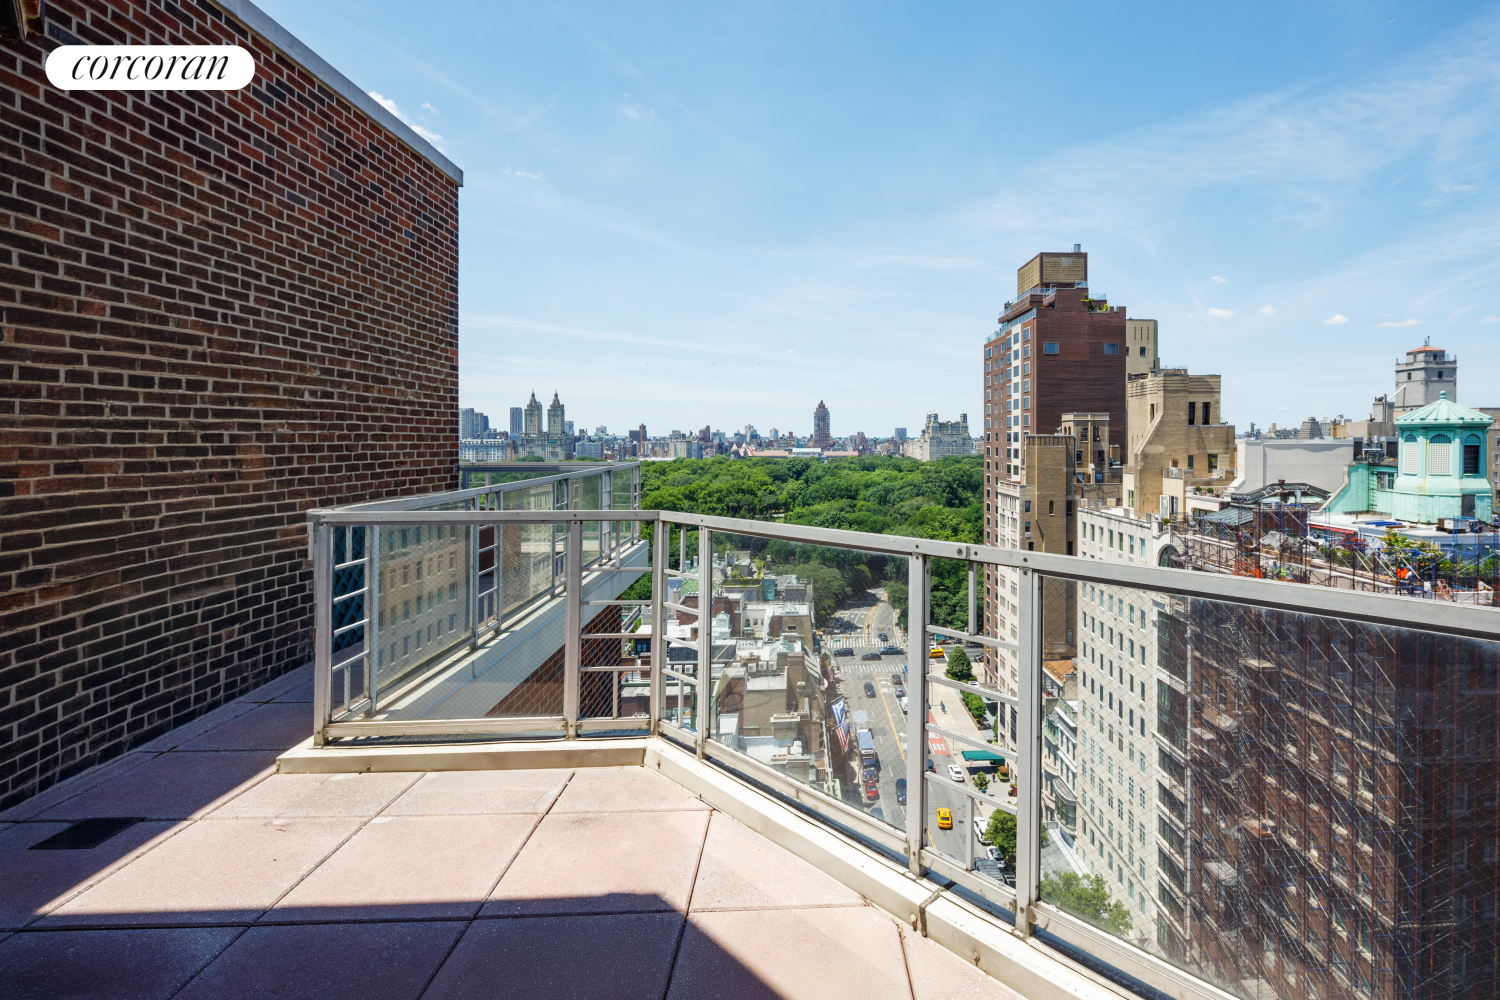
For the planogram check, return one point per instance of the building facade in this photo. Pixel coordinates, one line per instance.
(552, 444)
(941, 439)
(821, 435)
(1426, 374)
(1177, 440)
(192, 361)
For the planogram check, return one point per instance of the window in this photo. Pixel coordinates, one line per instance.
(1049, 349)
(1471, 455)
(1409, 455)
(1192, 413)
(1026, 508)
(1213, 462)
(1051, 504)
(1026, 351)
(1439, 455)
(1205, 414)
(1111, 348)
(1143, 351)
(1190, 460)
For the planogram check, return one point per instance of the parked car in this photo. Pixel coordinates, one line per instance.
(869, 691)
(990, 869)
(945, 819)
(843, 651)
(979, 831)
(899, 691)
(872, 790)
(907, 711)
(898, 679)
(994, 853)
(901, 790)
(956, 773)
(870, 656)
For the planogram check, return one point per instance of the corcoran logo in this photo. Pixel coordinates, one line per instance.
(150, 67)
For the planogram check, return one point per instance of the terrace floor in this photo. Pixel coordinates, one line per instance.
(596, 882)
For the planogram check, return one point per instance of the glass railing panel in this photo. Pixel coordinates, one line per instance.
(971, 792)
(528, 552)
(809, 666)
(678, 630)
(1285, 805)
(424, 596)
(622, 497)
(588, 494)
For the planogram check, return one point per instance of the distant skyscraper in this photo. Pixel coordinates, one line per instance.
(471, 423)
(515, 421)
(901, 434)
(821, 438)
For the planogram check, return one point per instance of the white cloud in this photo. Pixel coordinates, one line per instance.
(1218, 279)
(1489, 319)
(1267, 311)
(635, 109)
(1336, 319)
(1398, 323)
(522, 173)
(427, 106)
(390, 105)
(1221, 312)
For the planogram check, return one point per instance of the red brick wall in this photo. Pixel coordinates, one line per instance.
(217, 310)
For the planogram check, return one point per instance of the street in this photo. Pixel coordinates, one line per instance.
(858, 626)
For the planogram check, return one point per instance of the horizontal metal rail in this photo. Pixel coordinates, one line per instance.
(615, 668)
(972, 689)
(611, 635)
(975, 742)
(980, 640)
(681, 609)
(352, 562)
(638, 602)
(350, 627)
(972, 793)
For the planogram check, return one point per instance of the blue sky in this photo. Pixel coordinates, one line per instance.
(721, 213)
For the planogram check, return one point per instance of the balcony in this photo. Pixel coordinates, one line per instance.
(541, 721)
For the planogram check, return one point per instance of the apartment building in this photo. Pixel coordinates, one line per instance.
(1117, 757)
(1140, 346)
(1057, 351)
(1177, 440)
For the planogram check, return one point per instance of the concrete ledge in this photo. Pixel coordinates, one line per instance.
(304, 758)
(1025, 966)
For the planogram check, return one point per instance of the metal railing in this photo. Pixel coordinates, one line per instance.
(1200, 626)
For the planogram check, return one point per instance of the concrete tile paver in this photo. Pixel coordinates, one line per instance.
(33, 882)
(806, 954)
(409, 867)
(938, 974)
(603, 863)
(285, 796)
(380, 961)
(453, 793)
(264, 727)
(743, 870)
(62, 791)
(623, 789)
(169, 786)
(212, 872)
(142, 964)
(619, 955)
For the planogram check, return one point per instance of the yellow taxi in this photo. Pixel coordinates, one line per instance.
(945, 819)
(936, 653)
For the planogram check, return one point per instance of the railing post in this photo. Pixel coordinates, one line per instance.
(1029, 751)
(322, 553)
(916, 716)
(573, 645)
(476, 604)
(660, 533)
(705, 634)
(372, 617)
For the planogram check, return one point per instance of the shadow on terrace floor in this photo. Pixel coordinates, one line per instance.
(556, 883)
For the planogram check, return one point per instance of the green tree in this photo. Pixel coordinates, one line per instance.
(959, 667)
(981, 781)
(1086, 896)
(1002, 832)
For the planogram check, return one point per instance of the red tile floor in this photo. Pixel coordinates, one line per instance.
(241, 882)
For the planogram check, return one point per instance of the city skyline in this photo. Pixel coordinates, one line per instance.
(741, 248)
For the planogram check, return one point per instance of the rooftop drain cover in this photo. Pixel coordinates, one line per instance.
(85, 834)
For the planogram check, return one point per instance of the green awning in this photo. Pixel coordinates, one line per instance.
(983, 756)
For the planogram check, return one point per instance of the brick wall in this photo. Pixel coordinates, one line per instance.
(217, 310)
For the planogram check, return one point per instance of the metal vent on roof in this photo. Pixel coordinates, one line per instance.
(85, 834)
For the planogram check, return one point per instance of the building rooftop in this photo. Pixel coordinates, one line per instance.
(237, 880)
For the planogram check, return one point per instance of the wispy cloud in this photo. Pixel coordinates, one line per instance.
(427, 106)
(1390, 324)
(1336, 319)
(1268, 311)
(390, 105)
(508, 172)
(1489, 319)
(1223, 313)
(1218, 279)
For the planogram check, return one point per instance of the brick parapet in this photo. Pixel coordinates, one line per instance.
(217, 310)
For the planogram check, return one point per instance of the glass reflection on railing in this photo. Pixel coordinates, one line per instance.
(1287, 805)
